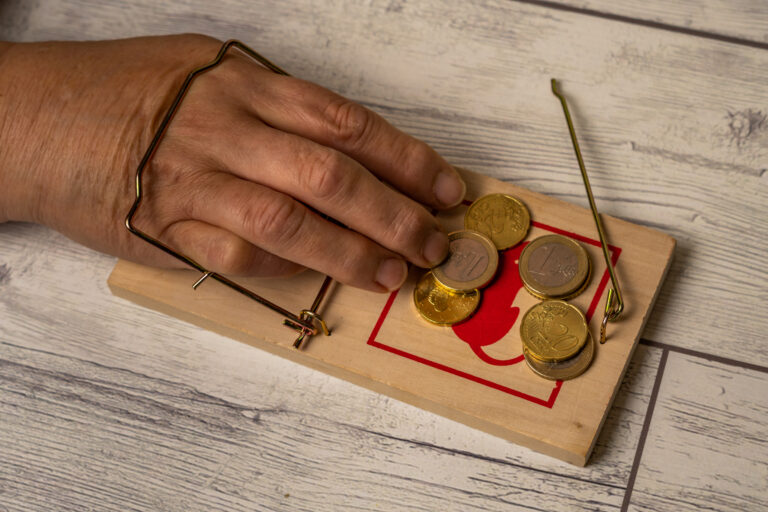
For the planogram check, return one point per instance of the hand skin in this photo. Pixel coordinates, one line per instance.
(231, 183)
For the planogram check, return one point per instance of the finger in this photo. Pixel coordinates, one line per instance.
(311, 111)
(282, 226)
(338, 186)
(221, 251)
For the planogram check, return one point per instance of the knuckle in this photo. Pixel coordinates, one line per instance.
(190, 203)
(404, 227)
(347, 121)
(230, 256)
(277, 221)
(325, 175)
(352, 265)
(415, 157)
(201, 40)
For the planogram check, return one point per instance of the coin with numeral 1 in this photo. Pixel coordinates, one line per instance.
(471, 263)
(441, 306)
(553, 331)
(555, 267)
(502, 218)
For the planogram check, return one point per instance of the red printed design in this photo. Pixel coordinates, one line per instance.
(495, 318)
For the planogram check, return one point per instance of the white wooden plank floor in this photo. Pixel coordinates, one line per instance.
(706, 447)
(107, 406)
(745, 20)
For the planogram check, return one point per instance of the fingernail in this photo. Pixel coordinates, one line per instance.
(449, 188)
(435, 248)
(391, 273)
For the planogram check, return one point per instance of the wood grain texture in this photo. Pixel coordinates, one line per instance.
(706, 447)
(741, 19)
(673, 128)
(110, 406)
(380, 342)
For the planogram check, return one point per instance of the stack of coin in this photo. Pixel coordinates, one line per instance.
(450, 292)
(555, 267)
(557, 344)
(471, 262)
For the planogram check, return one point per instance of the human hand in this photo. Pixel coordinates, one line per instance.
(231, 185)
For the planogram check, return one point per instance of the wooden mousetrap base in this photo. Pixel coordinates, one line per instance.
(463, 373)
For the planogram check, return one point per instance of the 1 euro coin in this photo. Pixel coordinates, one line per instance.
(471, 263)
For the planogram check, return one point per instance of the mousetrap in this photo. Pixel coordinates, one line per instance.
(380, 342)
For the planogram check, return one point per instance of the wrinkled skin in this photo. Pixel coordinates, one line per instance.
(235, 181)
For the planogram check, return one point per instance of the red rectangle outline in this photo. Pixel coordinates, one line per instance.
(549, 402)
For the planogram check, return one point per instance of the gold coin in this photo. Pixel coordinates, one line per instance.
(502, 218)
(553, 330)
(471, 263)
(555, 267)
(563, 370)
(440, 305)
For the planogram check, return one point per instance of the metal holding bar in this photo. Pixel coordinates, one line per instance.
(614, 303)
(311, 313)
(306, 321)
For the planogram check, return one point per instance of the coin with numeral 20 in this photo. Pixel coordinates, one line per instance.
(553, 331)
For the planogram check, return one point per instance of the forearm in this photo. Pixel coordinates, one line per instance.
(7, 185)
(44, 129)
(38, 136)
(73, 115)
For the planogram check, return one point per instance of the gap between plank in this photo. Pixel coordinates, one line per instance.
(704, 355)
(644, 431)
(646, 23)
(478, 456)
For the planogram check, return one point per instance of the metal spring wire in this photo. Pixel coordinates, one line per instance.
(305, 322)
(614, 303)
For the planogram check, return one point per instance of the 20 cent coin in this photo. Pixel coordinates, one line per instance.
(563, 370)
(553, 331)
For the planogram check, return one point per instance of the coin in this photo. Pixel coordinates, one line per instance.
(553, 330)
(471, 263)
(563, 370)
(502, 218)
(555, 267)
(440, 305)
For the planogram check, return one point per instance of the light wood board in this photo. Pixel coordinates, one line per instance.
(381, 343)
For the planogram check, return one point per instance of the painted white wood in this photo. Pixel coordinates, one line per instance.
(673, 127)
(106, 398)
(743, 19)
(107, 406)
(158, 397)
(706, 447)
